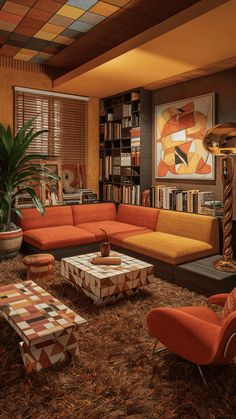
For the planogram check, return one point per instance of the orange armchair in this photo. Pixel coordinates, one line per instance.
(196, 333)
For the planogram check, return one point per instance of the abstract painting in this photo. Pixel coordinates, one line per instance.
(179, 132)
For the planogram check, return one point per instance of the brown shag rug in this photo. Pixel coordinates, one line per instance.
(115, 376)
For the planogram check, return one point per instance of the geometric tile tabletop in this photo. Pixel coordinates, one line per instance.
(48, 328)
(104, 283)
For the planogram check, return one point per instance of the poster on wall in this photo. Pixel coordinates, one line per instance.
(179, 132)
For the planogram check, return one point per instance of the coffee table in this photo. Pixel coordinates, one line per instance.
(48, 327)
(106, 283)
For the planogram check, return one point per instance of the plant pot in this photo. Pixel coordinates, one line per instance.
(10, 243)
(105, 248)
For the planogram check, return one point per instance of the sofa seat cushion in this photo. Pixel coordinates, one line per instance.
(110, 226)
(118, 239)
(168, 247)
(138, 215)
(57, 237)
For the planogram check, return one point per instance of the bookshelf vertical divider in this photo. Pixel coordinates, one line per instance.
(125, 146)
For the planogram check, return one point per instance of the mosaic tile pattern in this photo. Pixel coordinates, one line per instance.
(49, 329)
(104, 283)
(37, 30)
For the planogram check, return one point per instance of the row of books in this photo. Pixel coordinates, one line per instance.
(135, 151)
(128, 194)
(173, 198)
(110, 131)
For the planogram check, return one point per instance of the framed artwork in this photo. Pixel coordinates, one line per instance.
(180, 128)
(52, 188)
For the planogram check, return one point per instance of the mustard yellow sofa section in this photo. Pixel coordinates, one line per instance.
(168, 247)
(192, 226)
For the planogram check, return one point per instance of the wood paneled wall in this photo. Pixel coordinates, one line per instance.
(223, 84)
(13, 73)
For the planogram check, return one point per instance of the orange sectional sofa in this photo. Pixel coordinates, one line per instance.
(168, 237)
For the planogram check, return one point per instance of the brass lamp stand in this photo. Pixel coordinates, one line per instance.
(220, 140)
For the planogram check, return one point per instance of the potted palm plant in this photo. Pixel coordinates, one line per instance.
(17, 171)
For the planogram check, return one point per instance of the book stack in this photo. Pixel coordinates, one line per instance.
(135, 146)
(79, 197)
(173, 198)
(24, 200)
(131, 194)
(125, 159)
(108, 167)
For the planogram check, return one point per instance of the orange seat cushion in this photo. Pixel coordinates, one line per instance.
(118, 239)
(137, 215)
(57, 237)
(93, 212)
(53, 216)
(168, 247)
(110, 226)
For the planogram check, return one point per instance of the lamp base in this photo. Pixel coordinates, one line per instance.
(225, 265)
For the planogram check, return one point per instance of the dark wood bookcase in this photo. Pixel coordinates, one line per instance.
(125, 146)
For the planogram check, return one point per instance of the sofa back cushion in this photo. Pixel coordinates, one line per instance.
(93, 212)
(53, 216)
(193, 226)
(139, 216)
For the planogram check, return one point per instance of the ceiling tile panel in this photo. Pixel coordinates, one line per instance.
(25, 30)
(4, 35)
(38, 14)
(25, 54)
(83, 4)
(119, 3)
(92, 18)
(45, 35)
(25, 2)
(80, 26)
(70, 11)
(17, 9)
(48, 5)
(63, 40)
(31, 23)
(61, 21)
(49, 27)
(70, 33)
(10, 17)
(6, 26)
(53, 48)
(37, 44)
(104, 9)
(9, 50)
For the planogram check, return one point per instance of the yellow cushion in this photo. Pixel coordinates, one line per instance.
(193, 226)
(168, 247)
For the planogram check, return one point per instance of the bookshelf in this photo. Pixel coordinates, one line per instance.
(125, 146)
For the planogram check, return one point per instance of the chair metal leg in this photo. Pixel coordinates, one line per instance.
(201, 374)
(156, 351)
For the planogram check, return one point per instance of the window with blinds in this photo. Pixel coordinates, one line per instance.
(63, 116)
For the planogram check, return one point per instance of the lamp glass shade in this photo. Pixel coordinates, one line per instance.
(221, 139)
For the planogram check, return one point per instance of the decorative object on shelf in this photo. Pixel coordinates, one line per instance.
(220, 140)
(52, 188)
(19, 174)
(179, 131)
(105, 246)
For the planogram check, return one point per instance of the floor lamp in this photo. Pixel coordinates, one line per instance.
(220, 140)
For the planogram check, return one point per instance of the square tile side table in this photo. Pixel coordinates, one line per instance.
(48, 328)
(106, 283)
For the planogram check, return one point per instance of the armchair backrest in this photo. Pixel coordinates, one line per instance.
(226, 350)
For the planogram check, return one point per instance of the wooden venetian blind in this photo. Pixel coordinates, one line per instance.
(65, 118)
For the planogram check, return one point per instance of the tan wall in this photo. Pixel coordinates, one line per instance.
(33, 76)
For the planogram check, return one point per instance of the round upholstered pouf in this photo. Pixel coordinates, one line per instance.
(40, 266)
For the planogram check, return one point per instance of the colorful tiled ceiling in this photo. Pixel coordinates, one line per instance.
(36, 30)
